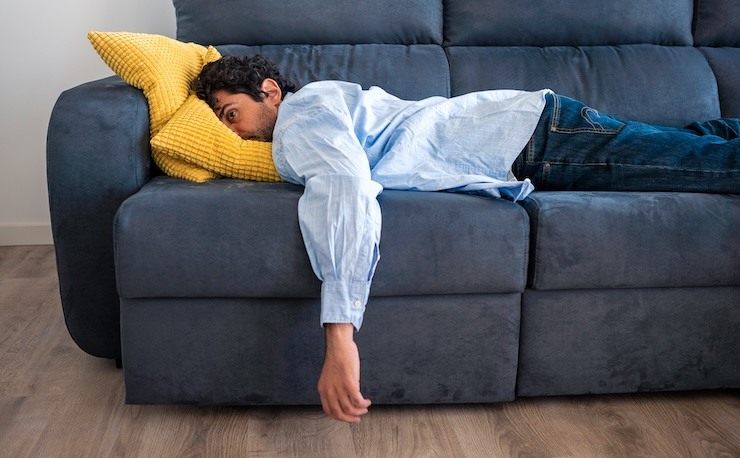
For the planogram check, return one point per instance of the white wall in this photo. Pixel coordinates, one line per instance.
(45, 51)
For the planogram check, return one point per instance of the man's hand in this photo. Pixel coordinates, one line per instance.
(339, 384)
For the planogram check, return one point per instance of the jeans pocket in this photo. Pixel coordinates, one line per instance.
(572, 117)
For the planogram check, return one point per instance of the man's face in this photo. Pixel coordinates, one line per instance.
(249, 119)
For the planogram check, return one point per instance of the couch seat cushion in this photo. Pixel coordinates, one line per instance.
(585, 240)
(230, 238)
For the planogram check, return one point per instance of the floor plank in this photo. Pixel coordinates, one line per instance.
(55, 400)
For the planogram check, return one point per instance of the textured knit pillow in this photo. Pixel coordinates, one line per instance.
(195, 135)
(163, 69)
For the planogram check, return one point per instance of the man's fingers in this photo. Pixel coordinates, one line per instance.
(351, 407)
(344, 406)
(335, 409)
(359, 401)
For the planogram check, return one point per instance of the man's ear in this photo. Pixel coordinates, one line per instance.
(270, 87)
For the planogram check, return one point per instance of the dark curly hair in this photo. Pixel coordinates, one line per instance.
(239, 75)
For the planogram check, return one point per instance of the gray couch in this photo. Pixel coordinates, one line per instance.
(205, 290)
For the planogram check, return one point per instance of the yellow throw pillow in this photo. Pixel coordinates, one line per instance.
(163, 69)
(195, 135)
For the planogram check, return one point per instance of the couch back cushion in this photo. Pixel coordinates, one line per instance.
(309, 21)
(725, 63)
(717, 31)
(717, 23)
(567, 22)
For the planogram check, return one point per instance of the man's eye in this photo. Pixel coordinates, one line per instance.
(230, 115)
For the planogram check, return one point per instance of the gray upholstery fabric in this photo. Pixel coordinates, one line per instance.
(725, 63)
(586, 240)
(309, 22)
(716, 23)
(269, 351)
(620, 341)
(233, 238)
(98, 139)
(225, 239)
(447, 243)
(568, 22)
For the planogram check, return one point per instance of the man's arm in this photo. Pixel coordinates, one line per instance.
(315, 145)
(340, 222)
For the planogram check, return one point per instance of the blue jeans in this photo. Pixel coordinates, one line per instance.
(575, 147)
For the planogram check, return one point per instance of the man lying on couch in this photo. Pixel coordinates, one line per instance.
(346, 144)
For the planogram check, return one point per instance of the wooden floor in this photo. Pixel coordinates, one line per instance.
(57, 401)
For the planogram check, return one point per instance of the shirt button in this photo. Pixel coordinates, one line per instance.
(357, 303)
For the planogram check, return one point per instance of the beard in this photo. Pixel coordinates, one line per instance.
(266, 124)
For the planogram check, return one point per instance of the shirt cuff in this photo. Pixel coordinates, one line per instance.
(344, 302)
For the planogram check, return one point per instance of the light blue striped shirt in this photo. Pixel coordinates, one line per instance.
(346, 144)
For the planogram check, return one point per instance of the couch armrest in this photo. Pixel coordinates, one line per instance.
(97, 156)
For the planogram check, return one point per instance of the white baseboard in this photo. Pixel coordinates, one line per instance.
(25, 234)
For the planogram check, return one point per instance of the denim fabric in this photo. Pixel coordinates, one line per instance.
(576, 147)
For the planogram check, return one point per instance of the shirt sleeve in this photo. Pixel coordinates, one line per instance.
(339, 215)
